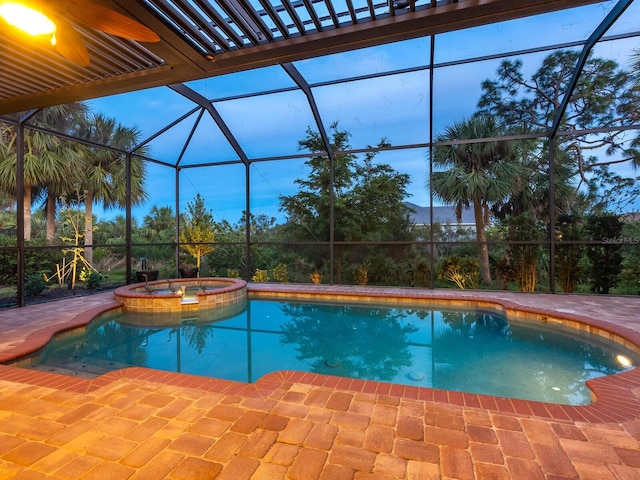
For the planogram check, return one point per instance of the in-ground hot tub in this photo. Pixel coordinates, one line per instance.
(179, 294)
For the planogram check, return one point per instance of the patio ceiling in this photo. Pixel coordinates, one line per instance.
(200, 38)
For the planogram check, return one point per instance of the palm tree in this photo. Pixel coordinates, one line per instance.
(63, 118)
(104, 178)
(158, 222)
(48, 159)
(475, 174)
(7, 210)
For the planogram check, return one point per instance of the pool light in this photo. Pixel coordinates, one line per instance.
(623, 360)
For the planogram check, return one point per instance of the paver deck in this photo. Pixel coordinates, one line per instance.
(146, 424)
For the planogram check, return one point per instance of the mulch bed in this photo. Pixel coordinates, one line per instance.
(53, 294)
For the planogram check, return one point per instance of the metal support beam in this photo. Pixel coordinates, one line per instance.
(166, 128)
(20, 220)
(247, 221)
(597, 34)
(217, 118)
(20, 214)
(432, 264)
(128, 221)
(194, 127)
(552, 214)
(177, 234)
(297, 77)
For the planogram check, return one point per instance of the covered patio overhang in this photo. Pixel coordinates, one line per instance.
(205, 38)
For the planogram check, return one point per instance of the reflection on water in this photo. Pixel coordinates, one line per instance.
(346, 340)
(478, 352)
(474, 351)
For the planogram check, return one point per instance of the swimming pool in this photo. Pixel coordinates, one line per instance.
(471, 350)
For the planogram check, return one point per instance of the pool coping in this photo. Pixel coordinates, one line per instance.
(616, 397)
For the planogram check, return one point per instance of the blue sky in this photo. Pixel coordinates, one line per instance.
(394, 107)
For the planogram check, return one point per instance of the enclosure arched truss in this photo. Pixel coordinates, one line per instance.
(293, 51)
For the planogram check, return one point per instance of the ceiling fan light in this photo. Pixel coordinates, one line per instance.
(27, 19)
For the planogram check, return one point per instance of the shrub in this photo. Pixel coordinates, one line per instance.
(461, 271)
(37, 260)
(422, 274)
(93, 281)
(524, 257)
(8, 260)
(34, 285)
(316, 277)
(280, 273)
(505, 272)
(362, 274)
(260, 276)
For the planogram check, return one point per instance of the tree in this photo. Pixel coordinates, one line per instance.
(635, 65)
(605, 257)
(159, 227)
(158, 221)
(7, 211)
(523, 256)
(569, 228)
(630, 267)
(477, 174)
(605, 97)
(114, 231)
(49, 160)
(104, 179)
(368, 198)
(229, 257)
(68, 271)
(229, 254)
(308, 210)
(196, 231)
(611, 192)
(530, 189)
(379, 193)
(63, 118)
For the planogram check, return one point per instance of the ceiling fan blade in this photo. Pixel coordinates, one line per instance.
(69, 44)
(106, 20)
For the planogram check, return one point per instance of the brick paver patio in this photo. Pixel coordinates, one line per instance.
(146, 424)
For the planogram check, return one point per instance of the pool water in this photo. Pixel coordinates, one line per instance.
(473, 351)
